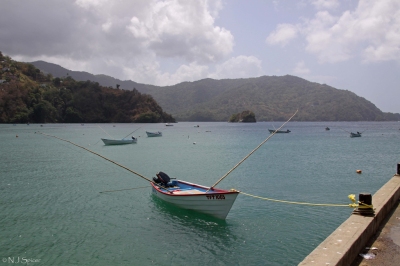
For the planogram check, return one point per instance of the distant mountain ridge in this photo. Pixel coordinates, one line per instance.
(271, 98)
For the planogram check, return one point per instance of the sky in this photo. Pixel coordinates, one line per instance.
(350, 44)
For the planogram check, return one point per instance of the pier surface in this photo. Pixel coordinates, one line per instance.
(352, 237)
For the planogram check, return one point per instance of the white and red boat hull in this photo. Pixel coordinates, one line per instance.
(216, 202)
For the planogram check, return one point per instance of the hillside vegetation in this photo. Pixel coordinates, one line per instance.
(271, 98)
(29, 95)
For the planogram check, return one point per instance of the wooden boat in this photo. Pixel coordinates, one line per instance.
(215, 202)
(355, 135)
(278, 131)
(154, 134)
(119, 141)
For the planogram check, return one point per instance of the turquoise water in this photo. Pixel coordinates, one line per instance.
(52, 211)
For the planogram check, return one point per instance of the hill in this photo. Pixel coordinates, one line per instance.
(29, 95)
(271, 98)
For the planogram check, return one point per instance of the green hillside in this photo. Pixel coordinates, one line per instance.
(271, 98)
(27, 95)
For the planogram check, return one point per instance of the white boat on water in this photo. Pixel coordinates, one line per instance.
(215, 202)
(154, 134)
(119, 141)
(169, 124)
(355, 135)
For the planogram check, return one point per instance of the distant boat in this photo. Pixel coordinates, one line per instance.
(278, 131)
(168, 124)
(119, 141)
(154, 134)
(355, 135)
(215, 202)
(196, 126)
(327, 128)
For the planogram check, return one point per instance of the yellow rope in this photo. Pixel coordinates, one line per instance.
(360, 205)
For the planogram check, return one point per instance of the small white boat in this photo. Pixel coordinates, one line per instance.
(154, 134)
(355, 135)
(169, 124)
(119, 141)
(278, 131)
(215, 202)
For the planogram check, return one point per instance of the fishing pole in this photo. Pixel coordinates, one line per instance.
(105, 131)
(105, 158)
(345, 130)
(248, 155)
(123, 189)
(132, 132)
(101, 156)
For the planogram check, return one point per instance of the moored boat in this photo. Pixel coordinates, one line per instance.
(215, 202)
(154, 134)
(169, 124)
(355, 135)
(278, 131)
(119, 141)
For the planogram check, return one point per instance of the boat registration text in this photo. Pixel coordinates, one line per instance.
(218, 197)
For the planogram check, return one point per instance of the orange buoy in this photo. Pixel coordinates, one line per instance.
(358, 171)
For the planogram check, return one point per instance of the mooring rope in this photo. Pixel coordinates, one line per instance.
(359, 204)
(105, 132)
(123, 189)
(248, 155)
(95, 153)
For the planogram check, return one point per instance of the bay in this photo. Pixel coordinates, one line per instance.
(52, 209)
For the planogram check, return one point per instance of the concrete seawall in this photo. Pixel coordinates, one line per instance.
(345, 243)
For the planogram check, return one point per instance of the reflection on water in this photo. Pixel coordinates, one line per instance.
(191, 220)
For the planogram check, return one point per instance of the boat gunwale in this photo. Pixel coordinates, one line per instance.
(121, 141)
(210, 192)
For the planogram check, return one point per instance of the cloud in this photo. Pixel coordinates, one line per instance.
(183, 29)
(283, 34)
(238, 67)
(301, 69)
(325, 4)
(117, 37)
(370, 32)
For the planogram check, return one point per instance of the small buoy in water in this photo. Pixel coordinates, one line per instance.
(358, 171)
(16, 136)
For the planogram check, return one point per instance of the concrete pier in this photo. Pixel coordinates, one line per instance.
(349, 239)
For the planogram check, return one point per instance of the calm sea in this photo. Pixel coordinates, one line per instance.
(52, 211)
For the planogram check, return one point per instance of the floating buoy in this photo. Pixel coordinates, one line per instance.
(16, 136)
(358, 171)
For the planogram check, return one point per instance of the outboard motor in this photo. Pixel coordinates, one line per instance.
(163, 179)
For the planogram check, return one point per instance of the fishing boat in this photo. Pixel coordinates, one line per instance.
(154, 134)
(278, 131)
(327, 128)
(119, 141)
(355, 135)
(215, 202)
